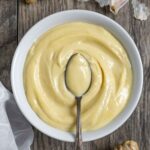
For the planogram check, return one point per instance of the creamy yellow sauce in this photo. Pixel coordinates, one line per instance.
(45, 68)
(78, 75)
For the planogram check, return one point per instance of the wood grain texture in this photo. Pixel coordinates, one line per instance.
(8, 38)
(138, 126)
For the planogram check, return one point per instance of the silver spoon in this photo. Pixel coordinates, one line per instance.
(76, 65)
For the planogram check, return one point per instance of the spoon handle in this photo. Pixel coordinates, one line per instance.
(78, 140)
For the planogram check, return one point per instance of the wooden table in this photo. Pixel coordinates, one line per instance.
(16, 18)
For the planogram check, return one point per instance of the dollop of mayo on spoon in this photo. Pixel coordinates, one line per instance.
(78, 75)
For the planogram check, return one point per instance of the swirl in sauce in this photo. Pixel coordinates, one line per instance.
(44, 76)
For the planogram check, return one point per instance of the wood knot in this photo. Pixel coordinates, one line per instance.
(30, 1)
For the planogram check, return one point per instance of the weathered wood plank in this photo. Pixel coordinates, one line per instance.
(137, 127)
(8, 38)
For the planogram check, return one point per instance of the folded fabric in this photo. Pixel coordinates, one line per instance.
(15, 132)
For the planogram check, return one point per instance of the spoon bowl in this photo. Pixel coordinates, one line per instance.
(78, 75)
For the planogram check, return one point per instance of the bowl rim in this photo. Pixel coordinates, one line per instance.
(92, 135)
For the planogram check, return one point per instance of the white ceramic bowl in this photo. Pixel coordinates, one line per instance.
(59, 18)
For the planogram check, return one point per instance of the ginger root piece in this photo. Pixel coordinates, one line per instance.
(30, 1)
(128, 145)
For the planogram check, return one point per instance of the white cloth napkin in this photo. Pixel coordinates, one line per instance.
(15, 132)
